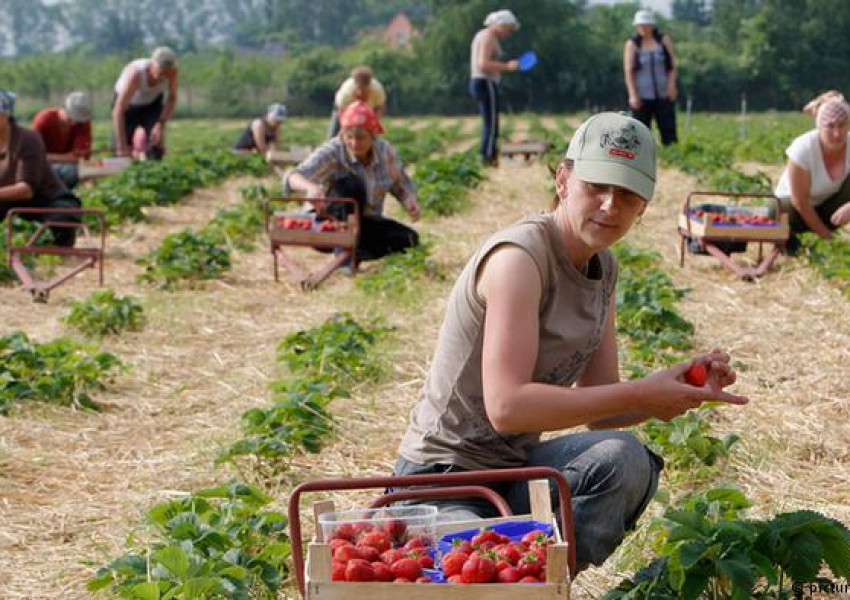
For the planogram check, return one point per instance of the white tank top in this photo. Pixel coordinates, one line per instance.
(475, 72)
(145, 93)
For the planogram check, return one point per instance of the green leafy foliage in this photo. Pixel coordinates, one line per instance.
(104, 313)
(399, 274)
(185, 257)
(685, 441)
(710, 552)
(339, 349)
(298, 421)
(123, 196)
(443, 183)
(60, 372)
(646, 310)
(240, 225)
(830, 258)
(215, 543)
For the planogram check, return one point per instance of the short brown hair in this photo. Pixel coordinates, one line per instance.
(362, 74)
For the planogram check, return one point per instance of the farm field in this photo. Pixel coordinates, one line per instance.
(75, 484)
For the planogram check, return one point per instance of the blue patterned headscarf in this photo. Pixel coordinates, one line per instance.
(7, 103)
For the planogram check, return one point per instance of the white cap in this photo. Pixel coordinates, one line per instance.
(502, 17)
(276, 112)
(78, 107)
(644, 17)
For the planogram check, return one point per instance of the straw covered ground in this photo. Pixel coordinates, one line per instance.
(74, 485)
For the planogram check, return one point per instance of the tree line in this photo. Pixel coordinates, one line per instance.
(776, 53)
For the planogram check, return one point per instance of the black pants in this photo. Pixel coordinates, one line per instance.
(144, 116)
(824, 210)
(487, 94)
(379, 236)
(664, 111)
(62, 236)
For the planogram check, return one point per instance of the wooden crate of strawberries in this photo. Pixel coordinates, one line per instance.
(299, 229)
(464, 560)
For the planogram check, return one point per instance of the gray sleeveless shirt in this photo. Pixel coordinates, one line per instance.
(651, 78)
(496, 54)
(449, 425)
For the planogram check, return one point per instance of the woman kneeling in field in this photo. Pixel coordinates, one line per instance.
(528, 345)
(360, 165)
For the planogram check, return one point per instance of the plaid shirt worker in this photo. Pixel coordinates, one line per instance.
(385, 174)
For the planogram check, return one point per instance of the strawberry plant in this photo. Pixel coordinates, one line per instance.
(297, 422)
(104, 313)
(443, 183)
(61, 372)
(709, 552)
(185, 257)
(830, 258)
(215, 543)
(340, 349)
(399, 273)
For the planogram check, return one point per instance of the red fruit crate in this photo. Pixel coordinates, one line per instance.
(725, 222)
(314, 577)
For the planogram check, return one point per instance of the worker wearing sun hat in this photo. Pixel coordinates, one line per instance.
(528, 345)
(263, 133)
(650, 70)
(66, 132)
(815, 185)
(26, 179)
(140, 101)
(486, 68)
(359, 164)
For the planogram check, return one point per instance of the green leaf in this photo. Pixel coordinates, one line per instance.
(174, 559)
(146, 591)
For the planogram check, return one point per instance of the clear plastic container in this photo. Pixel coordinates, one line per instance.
(399, 524)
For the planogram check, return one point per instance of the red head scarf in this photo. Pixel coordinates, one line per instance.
(360, 114)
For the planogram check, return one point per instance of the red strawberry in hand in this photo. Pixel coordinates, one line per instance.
(696, 375)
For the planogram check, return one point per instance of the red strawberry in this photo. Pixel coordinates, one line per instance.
(478, 570)
(530, 579)
(391, 556)
(345, 531)
(536, 536)
(368, 553)
(382, 572)
(455, 579)
(359, 570)
(509, 575)
(345, 554)
(396, 529)
(529, 564)
(406, 568)
(452, 563)
(376, 539)
(423, 579)
(461, 545)
(338, 571)
(696, 375)
(337, 543)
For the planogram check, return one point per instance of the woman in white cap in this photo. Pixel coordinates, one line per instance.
(66, 133)
(26, 179)
(815, 186)
(649, 65)
(140, 102)
(262, 134)
(486, 67)
(528, 345)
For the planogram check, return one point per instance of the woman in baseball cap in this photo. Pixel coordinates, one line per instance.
(528, 346)
(262, 134)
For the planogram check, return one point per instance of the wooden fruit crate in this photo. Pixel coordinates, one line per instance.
(527, 150)
(312, 237)
(293, 156)
(102, 167)
(315, 580)
(703, 227)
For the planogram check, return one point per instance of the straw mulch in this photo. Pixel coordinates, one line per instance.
(74, 485)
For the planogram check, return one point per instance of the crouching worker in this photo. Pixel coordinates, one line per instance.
(66, 133)
(26, 178)
(360, 165)
(529, 345)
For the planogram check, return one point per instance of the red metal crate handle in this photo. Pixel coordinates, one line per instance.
(444, 493)
(447, 479)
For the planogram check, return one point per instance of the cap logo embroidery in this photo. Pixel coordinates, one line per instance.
(623, 143)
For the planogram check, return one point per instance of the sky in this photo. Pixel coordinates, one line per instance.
(663, 7)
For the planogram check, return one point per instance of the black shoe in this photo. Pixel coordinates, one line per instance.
(792, 246)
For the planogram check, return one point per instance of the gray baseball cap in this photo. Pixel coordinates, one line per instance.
(276, 112)
(78, 107)
(165, 57)
(7, 103)
(614, 149)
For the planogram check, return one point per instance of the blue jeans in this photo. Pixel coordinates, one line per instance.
(612, 478)
(487, 94)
